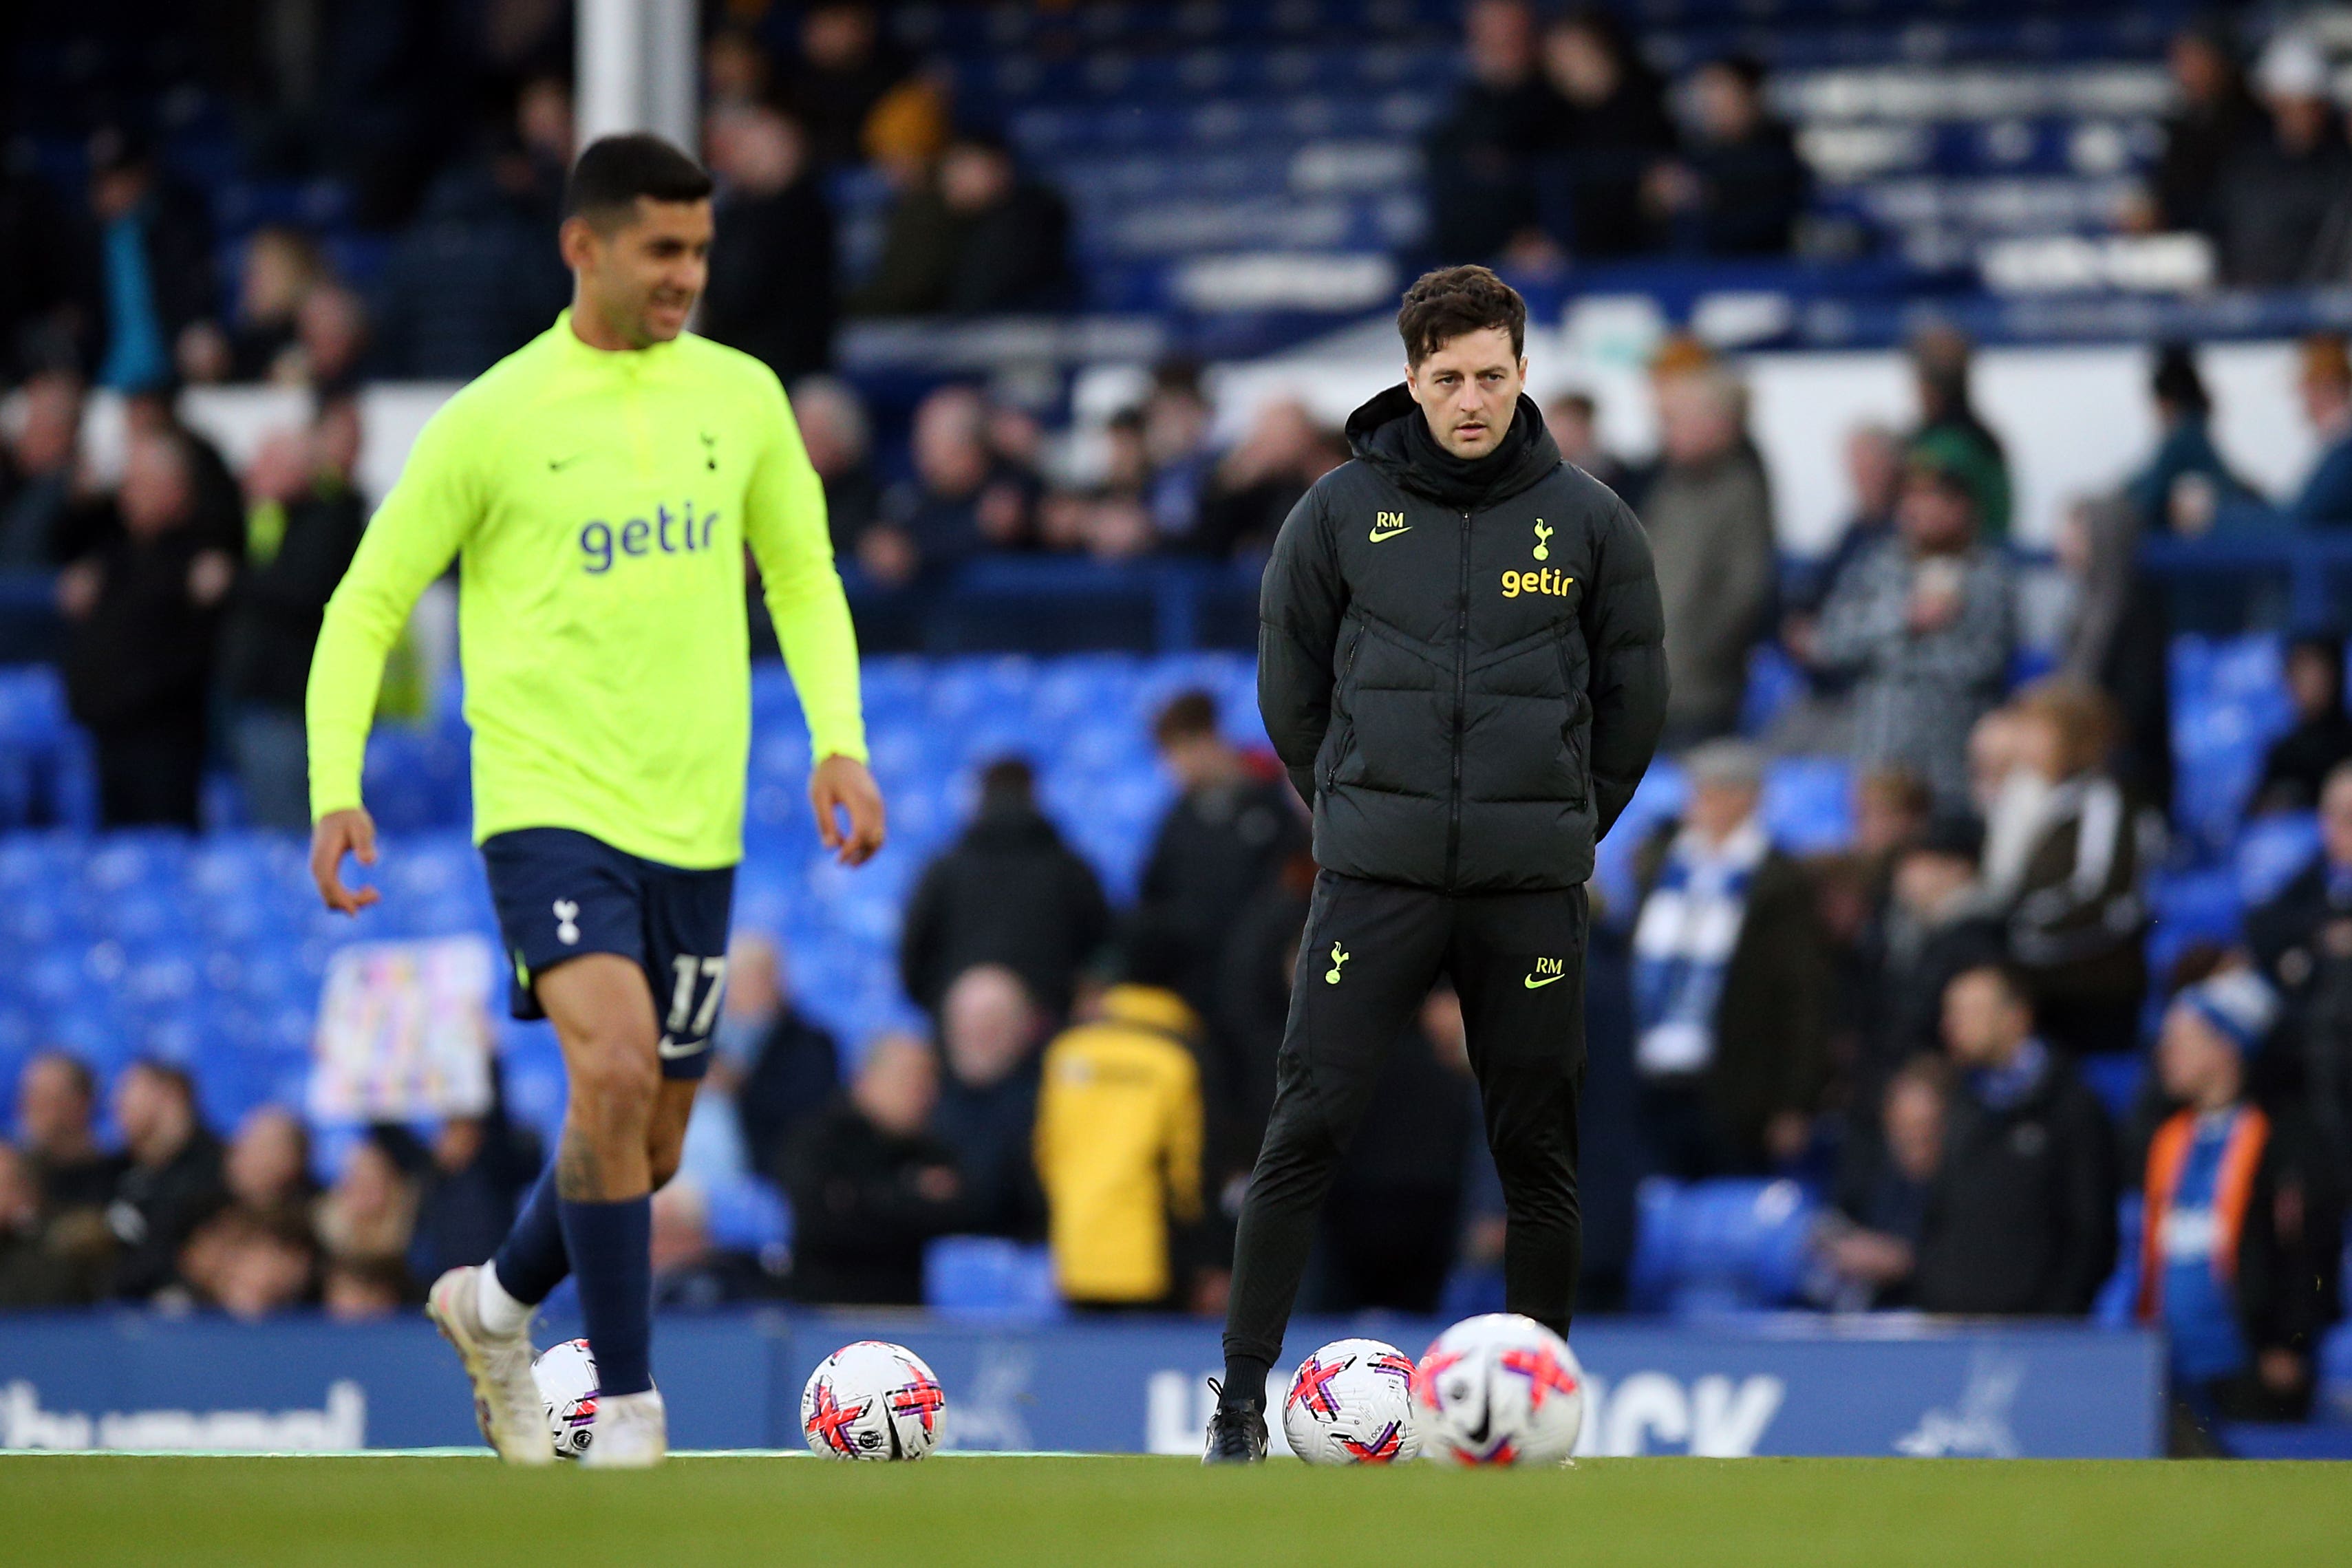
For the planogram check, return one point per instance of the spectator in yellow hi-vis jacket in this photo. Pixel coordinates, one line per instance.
(1119, 1148)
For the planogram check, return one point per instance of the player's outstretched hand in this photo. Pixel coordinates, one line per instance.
(842, 785)
(339, 833)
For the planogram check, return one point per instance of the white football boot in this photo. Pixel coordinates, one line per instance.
(631, 1432)
(506, 1399)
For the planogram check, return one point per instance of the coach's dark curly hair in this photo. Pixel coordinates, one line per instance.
(1445, 305)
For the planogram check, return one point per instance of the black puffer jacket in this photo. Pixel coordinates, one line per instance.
(1460, 663)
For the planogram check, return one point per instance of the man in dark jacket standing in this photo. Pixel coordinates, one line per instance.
(1460, 663)
(139, 659)
(1224, 837)
(2022, 1215)
(304, 521)
(172, 1184)
(1010, 892)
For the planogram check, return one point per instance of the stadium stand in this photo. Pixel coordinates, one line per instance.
(1241, 178)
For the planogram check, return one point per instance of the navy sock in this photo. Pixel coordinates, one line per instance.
(612, 1257)
(532, 1262)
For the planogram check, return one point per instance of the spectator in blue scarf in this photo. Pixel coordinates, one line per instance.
(1730, 977)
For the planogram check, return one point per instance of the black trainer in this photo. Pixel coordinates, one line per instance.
(1237, 1432)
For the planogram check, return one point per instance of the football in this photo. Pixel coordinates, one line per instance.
(566, 1376)
(1499, 1390)
(872, 1400)
(1351, 1402)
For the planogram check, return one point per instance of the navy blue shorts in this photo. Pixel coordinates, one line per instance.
(561, 894)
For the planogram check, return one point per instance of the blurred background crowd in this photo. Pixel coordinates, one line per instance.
(1985, 937)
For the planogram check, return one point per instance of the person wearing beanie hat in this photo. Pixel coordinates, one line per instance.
(2279, 189)
(2242, 1222)
(1921, 626)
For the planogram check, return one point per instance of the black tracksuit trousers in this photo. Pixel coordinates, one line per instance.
(1370, 953)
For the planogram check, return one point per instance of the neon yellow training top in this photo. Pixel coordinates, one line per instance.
(598, 505)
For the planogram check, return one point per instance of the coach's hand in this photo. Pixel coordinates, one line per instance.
(842, 783)
(351, 832)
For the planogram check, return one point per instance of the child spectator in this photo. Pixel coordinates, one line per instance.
(2240, 1249)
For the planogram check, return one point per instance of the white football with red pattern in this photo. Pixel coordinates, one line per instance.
(1499, 1390)
(566, 1374)
(1351, 1402)
(872, 1400)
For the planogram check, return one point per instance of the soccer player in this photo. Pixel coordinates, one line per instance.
(597, 488)
(1459, 661)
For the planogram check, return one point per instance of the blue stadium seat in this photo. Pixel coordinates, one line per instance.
(2228, 701)
(2271, 851)
(1721, 1246)
(2190, 907)
(748, 1215)
(989, 1279)
(1809, 803)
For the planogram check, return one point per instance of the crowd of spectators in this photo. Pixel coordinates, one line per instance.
(122, 283)
(1912, 1026)
(2256, 161)
(190, 594)
(1564, 144)
(176, 1218)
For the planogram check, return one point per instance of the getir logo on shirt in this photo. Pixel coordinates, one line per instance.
(666, 533)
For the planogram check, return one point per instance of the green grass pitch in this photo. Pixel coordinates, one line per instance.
(85, 1512)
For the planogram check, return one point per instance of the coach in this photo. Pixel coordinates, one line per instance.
(1459, 661)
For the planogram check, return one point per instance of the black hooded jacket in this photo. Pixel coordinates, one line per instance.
(1460, 661)
(1010, 892)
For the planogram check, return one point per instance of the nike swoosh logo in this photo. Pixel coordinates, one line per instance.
(557, 466)
(1377, 536)
(1535, 985)
(672, 1049)
(1477, 1435)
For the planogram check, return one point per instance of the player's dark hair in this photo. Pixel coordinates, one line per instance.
(1455, 301)
(612, 171)
(1187, 715)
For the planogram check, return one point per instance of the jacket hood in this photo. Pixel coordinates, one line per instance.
(1149, 1007)
(1382, 435)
